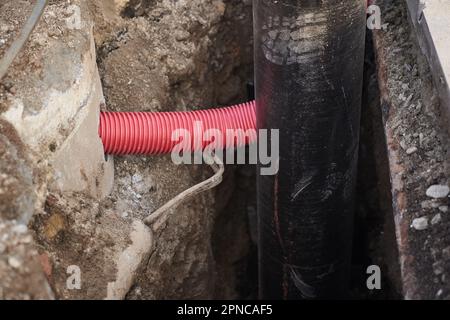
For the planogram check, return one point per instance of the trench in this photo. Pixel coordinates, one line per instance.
(374, 240)
(212, 251)
(234, 231)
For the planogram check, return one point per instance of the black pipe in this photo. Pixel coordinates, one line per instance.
(309, 68)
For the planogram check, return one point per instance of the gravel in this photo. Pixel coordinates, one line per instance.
(436, 219)
(438, 191)
(420, 223)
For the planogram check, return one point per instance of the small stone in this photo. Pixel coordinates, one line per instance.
(420, 223)
(421, 138)
(403, 145)
(411, 150)
(434, 205)
(273, 34)
(443, 209)
(2, 248)
(438, 268)
(28, 239)
(14, 262)
(436, 219)
(182, 35)
(136, 178)
(446, 253)
(20, 229)
(426, 204)
(438, 191)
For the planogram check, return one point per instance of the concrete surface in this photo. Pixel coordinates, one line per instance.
(21, 276)
(55, 111)
(431, 20)
(418, 145)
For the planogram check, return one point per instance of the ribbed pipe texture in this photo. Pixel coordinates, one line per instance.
(151, 133)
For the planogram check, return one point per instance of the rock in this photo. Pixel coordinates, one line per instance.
(136, 178)
(130, 260)
(20, 229)
(436, 219)
(411, 150)
(446, 253)
(434, 205)
(438, 191)
(181, 35)
(438, 267)
(14, 262)
(420, 223)
(426, 204)
(443, 209)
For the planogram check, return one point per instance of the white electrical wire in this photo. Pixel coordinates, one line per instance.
(160, 216)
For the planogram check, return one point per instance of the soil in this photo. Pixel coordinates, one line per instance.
(20, 269)
(164, 57)
(152, 56)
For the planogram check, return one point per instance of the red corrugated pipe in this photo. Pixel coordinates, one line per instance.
(151, 132)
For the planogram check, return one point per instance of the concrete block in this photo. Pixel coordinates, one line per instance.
(56, 111)
(431, 20)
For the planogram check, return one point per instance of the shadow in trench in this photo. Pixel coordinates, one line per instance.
(374, 240)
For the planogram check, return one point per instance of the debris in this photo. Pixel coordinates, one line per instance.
(411, 150)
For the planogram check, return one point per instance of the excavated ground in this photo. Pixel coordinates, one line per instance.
(180, 55)
(160, 56)
(152, 56)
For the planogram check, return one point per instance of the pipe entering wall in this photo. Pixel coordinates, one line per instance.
(309, 69)
(154, 132)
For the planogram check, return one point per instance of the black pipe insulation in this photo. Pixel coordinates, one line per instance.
(309, 74)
